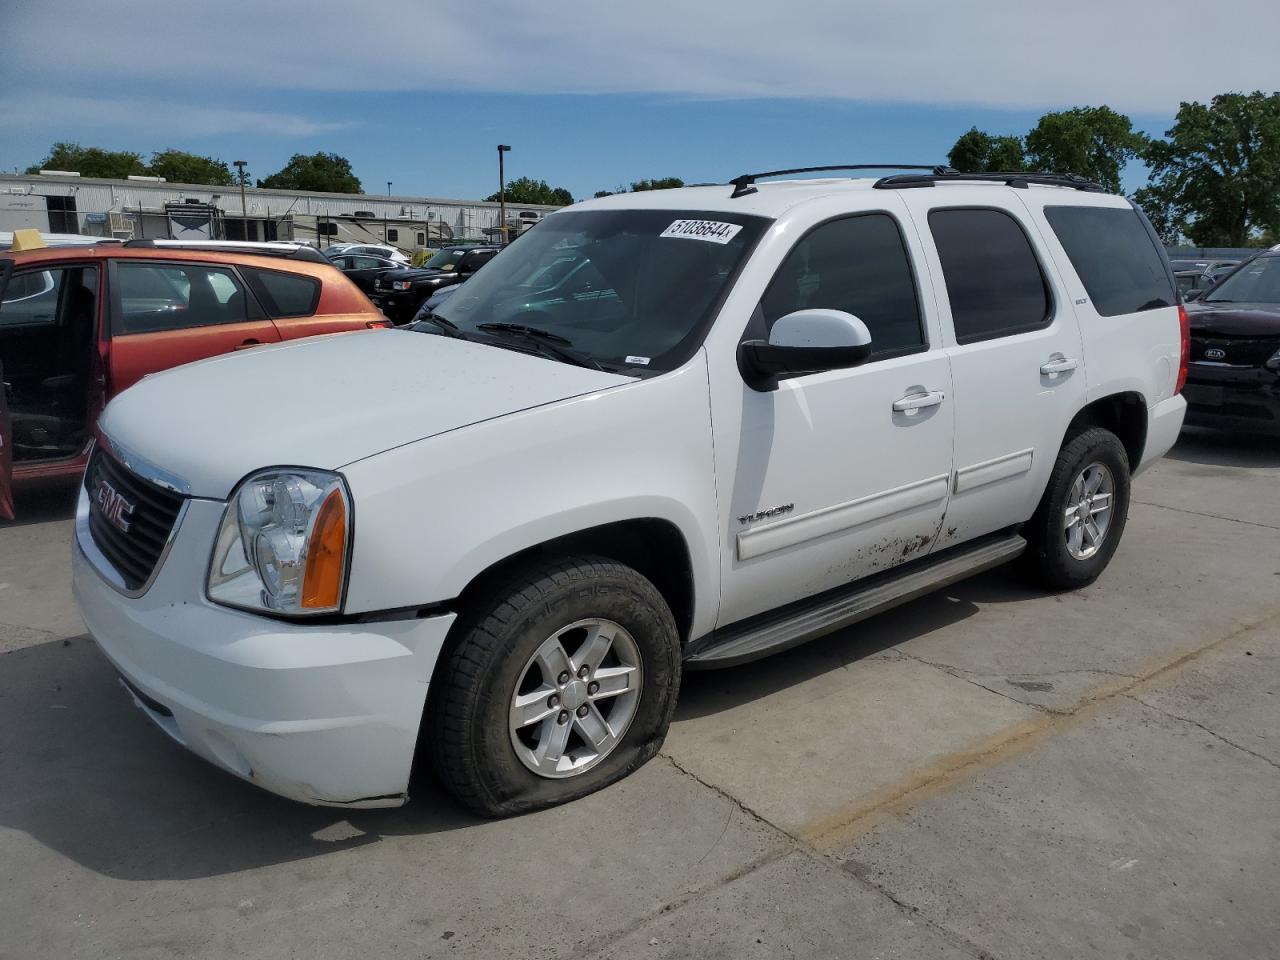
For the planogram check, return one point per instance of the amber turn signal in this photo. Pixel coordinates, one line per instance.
(327, 555)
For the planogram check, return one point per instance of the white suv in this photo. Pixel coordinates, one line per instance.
(664, 430)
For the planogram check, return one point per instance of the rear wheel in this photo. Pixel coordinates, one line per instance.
(1077, 527)
(563, 680)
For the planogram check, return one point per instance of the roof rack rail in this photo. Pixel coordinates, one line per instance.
(1020, 179)
(743, 185)
(283, 249)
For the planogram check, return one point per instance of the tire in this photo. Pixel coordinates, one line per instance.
(1053, 559)
(480, 755)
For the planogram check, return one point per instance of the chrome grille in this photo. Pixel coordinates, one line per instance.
(130, 519)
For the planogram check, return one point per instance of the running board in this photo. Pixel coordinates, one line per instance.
(808, 619)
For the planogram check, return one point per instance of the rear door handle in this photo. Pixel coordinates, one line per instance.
(1058, 365)
(918, 401)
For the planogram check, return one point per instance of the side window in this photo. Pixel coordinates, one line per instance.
(993, 279)
(393, 235)
(284, 294)
(171, 296)
(859, 265)
(422, 239)
(1115, 258)
(30, 300)
(478, 260)
(366, 263)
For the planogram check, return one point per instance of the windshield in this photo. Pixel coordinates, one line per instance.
(628, 288)
(1256, 282)
(444, 260)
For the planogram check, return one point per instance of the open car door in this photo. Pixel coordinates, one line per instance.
(6, 427)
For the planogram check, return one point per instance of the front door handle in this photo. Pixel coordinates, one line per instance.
(918, 401)
(1058, 364)
(249, 343)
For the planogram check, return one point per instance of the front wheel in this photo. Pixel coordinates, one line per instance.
(1077, 527)
(563, 679)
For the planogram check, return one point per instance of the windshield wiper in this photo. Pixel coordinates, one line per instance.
(547, 343)
(448, 326)
(541, 334)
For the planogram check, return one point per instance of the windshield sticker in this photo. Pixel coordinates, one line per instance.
(637, 361)
(711, 230)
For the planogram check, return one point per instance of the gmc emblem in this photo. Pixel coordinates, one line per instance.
(115, 508)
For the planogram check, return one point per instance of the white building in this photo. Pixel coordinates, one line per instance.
(145, 207)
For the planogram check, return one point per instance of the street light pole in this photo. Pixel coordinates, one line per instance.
(384, 214)
(244, 211)
(502, 193)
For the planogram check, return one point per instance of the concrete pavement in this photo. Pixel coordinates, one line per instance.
(988, 772)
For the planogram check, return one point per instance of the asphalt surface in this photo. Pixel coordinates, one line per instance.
(987, 772)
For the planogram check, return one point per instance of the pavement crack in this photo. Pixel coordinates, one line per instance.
(1210, 516)
(847, 824)
(968, 678)
(730, 798)
(1212, 733)
(853, 870)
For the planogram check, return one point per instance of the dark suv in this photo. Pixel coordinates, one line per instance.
(399, 293)
(1234, 373)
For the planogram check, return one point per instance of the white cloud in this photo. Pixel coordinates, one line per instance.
(1136, 55)
(35, 109)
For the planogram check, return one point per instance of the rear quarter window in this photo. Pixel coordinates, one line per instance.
(283, 294)
(993, 278)
(1114, 256)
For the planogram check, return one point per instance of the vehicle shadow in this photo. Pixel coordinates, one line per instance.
(55, 500)
(1220, 448)
(705, 692)
(83, 772)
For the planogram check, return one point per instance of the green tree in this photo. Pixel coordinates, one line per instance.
(1092, 142)
(979, 152)
(1216, 176)
(178, 166)
(91, 161)
(527, 190)
(322, 172)
(659, 183)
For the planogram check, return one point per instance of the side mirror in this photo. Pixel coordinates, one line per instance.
(806, 341)
(1194, 294)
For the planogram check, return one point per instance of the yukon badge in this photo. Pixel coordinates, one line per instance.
(767, 514)
(115, 508)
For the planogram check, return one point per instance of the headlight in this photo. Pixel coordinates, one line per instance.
(282, 545)
(401, 284)
(1274, 362)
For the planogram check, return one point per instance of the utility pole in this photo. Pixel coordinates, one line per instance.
(244, 210)
(384, 214)
(502, 193)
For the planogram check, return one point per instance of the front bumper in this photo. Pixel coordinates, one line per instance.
(1231, 397)
(325, 714)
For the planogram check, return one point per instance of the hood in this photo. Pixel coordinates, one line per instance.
(327, 401)
(1234, 319)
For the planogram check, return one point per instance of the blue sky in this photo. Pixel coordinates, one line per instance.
(593, 96)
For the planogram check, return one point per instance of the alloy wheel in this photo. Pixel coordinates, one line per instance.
(1087, 516)
(576, 697)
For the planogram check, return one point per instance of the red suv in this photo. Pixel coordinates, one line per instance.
(79, 324)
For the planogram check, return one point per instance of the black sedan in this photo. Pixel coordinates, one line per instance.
(362, 269)
(1233, 377)
(399, 293)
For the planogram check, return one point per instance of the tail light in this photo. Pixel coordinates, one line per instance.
(1184, 331)
(377, 324)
